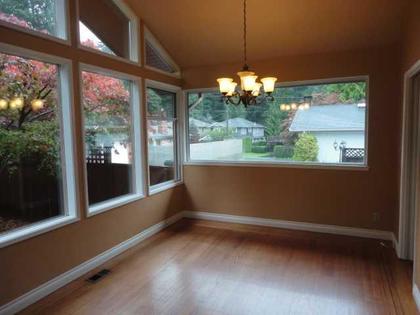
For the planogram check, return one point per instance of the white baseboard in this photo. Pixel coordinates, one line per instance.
(416, 295)
(54, 284)
(396, 246)
(292, 225)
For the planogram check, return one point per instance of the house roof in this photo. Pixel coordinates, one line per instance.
(339, 117)
(237, 123)
(199, 123)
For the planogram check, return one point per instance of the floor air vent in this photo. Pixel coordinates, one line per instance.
(98, 276)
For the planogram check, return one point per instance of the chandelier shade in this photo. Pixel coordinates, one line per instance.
(250, 89)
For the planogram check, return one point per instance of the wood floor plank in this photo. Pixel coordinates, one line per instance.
(200, 267)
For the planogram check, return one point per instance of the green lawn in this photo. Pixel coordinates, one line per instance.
(253, 155)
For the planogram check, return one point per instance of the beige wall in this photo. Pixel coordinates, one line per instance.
(410, 55)
(30, 263)
(327, 196)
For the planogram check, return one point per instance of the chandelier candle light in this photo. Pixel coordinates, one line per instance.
(250, 88)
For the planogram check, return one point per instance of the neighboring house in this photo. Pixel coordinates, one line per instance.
(241, 127)
(336, 127)
(202, 126)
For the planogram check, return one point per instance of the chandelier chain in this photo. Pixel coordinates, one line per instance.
(245, 55)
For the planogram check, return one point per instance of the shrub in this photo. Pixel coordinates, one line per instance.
(259, 149)
(246, 145)
(220, 134)
(306, 148)
(283, 151)
(259, 143)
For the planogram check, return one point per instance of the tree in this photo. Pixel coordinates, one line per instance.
(274, 120)
(194, 134)
(350, 92)
(30, 133)
(34, 14)
(306, 148)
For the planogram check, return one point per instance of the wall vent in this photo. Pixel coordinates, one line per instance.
(98, 276)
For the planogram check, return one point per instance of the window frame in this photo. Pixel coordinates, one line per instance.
(179, 176)
(310, 165)
(69, 180)
(148, 36)
(137, 179)
(63, 31)
(134, 27)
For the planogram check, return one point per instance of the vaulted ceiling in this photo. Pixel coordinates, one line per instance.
(200, 32)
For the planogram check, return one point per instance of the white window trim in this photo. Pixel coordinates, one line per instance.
(134, 57)
(63, 30)
(310, 165)
(65, 90)
(179, 176)
(137, 144)
(148, 36)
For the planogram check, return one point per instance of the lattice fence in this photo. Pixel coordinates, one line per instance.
(353, 155)
(99, 155)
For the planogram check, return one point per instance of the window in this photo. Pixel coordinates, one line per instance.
(108, 26)
(156, 56)
(305, 124)
(162, 136)
(36, 162)
(43, 16)
(111, 129)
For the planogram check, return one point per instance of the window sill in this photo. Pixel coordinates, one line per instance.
(35, 33)
(176, 75)
(155, 189)
(349, 166)
(106, 55)
(35, 229)
(113, 203)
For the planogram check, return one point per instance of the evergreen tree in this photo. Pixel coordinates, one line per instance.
(274, 120)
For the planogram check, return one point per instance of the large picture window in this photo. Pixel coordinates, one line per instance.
(111, 127)
(46, 17)
(304, 124)
(162, 136)
(108, 26)
(35, 147)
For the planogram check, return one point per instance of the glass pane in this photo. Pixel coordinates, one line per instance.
(103, 26)
(30, 166)
(37, 15)
(322, 123)
(108, 136)
(161, 135)
(89, 39)
(154, 59)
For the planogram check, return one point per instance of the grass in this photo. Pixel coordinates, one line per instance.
(256, 155)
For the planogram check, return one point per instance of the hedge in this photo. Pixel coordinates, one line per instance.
(283, 151)
(259, 149)
(259, 143)
(246, 145)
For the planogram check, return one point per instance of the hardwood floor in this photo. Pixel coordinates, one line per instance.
(199, 267)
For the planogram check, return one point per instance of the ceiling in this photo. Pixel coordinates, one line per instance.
(201, 32)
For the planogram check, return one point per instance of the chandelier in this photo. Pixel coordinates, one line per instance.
(250, 91)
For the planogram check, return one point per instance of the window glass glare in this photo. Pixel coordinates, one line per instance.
(323, 123)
